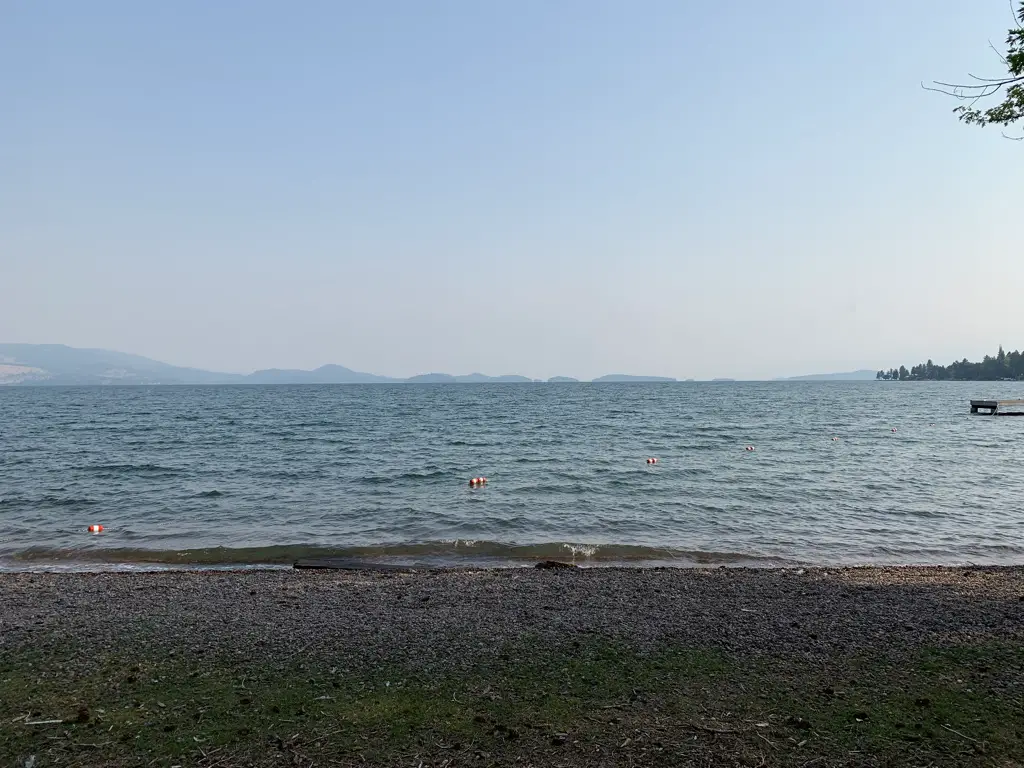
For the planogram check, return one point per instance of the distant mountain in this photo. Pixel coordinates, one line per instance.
(563, 380)
(60, 364)
(432, 378)
(471, 378)
(325, 374)
(861, 375)
(621, 377)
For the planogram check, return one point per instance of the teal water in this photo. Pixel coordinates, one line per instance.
(260, 475)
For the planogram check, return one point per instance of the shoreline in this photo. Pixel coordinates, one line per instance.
(463, 564)
(589, 666)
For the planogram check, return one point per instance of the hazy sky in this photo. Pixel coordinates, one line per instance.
(543, 187)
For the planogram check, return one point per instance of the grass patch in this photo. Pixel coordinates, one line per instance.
(579, 704)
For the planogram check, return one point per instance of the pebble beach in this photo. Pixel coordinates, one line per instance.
(438, 617)
(456, 627)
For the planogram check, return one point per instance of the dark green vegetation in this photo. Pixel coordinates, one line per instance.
(1010, 87)
(581, 703)
(1005, 365)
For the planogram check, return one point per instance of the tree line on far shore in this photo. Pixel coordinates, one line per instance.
(1005, 365)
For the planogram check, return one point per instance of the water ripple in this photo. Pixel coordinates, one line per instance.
(253, 472)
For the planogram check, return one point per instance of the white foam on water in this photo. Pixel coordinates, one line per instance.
(584, 550)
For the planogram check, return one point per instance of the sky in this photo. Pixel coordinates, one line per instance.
(544, 187)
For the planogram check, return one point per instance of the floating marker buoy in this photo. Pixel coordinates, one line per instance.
(652, 461)
(894, 429)
(95, 529)
(750, 447)
(477, 481)
(835, 439)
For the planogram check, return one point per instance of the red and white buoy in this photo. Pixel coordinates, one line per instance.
(835, 439)
(95, 529)
(750, 447)
(476, 482)
(652, 461)
(894, 429)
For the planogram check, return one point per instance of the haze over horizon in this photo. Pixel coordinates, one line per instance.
(574, 188)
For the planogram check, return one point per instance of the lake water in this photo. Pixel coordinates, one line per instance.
(262, 475)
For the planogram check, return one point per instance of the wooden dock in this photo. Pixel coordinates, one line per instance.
(998, 407)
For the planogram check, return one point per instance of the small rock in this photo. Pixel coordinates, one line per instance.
(558, 740)
(798, 722)
(83, 715)
(551, 564)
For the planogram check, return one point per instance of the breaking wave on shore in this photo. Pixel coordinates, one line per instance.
(439, 554)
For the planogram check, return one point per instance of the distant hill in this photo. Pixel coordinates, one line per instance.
(621, 377)
(862, 375)
(471, 378)
(58, 364)
(325, 374)
(563, 380)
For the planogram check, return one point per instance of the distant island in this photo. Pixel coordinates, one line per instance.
(1004, 366)
(860, 375)
(58, 364)
(472, 378)
(621, 378)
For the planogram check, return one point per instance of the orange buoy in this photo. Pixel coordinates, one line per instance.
(652, 461)
(95, 529)
(750, 447)
(477, 481)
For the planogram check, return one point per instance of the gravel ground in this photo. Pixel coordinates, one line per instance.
(447, 618)
(590, 667)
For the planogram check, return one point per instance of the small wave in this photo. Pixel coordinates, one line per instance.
(284, 474)
(47, 501)
(210, 494)
(141, 469)
(441, 553)
(13, 462)
(581, 550)
(400, 476)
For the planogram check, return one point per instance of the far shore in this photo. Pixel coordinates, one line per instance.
(518, 667)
